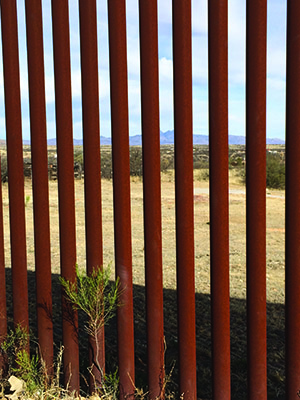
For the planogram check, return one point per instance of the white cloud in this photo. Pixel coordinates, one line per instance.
(236, 42)
(133, 58)
(49, 88)
(200, 116)
(164, 11)
(276, 62)
(199, 17)
(165, 70)
(277, 85)
(76, 83)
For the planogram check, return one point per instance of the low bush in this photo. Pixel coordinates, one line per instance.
(202, 163)
(275, 172)
(106, 165)
(4, 172)
(136, 161)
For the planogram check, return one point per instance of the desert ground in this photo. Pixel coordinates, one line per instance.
(237, 218)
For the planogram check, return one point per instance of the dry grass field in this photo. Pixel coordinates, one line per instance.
(275, 232)
(275, 271)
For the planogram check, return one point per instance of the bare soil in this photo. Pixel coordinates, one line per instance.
(275, 272)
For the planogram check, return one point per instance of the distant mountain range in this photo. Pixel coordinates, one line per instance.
(168, 138)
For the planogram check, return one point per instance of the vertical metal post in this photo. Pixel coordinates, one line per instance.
(183, 129)
(34, 30)
(292, 241)
(91, 147)
(256, 196)
(152, 195)
(121, 191)
(65, 162)
(219, 213)
(15, 161)
(3, 314)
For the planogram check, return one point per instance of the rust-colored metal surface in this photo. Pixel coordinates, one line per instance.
(3, 314)
(183, 131)
(15, 161)
(34, 30)
(152, 196)
(91, 148)
(292, 242)
(219, 210)
(256, 196)
(121, 192)
(65, 162)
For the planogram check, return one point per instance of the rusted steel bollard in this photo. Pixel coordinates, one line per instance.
(65, 163)
(219, 208)
(39, 159)
(152, 196)
(256, 32)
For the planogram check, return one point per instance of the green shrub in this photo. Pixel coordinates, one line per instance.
(78, 156)
(106, 165)
(4, 171)
(136, 161)
(12, 345)
(18, 362)
(201, 163)
(275, 172)
(204, 175)
(166, 163)
(98, 299)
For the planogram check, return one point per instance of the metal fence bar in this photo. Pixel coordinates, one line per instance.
(292, 242)
(219, 207)
(183, 131)
(121, 192)
(34, 30)
(92, 172)
(65, 163)
(15, 161)
(3, 313)
(256, 196)
(152, 195)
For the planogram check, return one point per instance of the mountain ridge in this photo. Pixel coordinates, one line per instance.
(168, 138)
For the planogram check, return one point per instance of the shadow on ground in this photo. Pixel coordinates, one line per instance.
(275, 313)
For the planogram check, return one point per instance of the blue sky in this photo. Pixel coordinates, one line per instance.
(236, 52)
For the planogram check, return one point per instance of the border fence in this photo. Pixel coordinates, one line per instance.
(256, 17)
